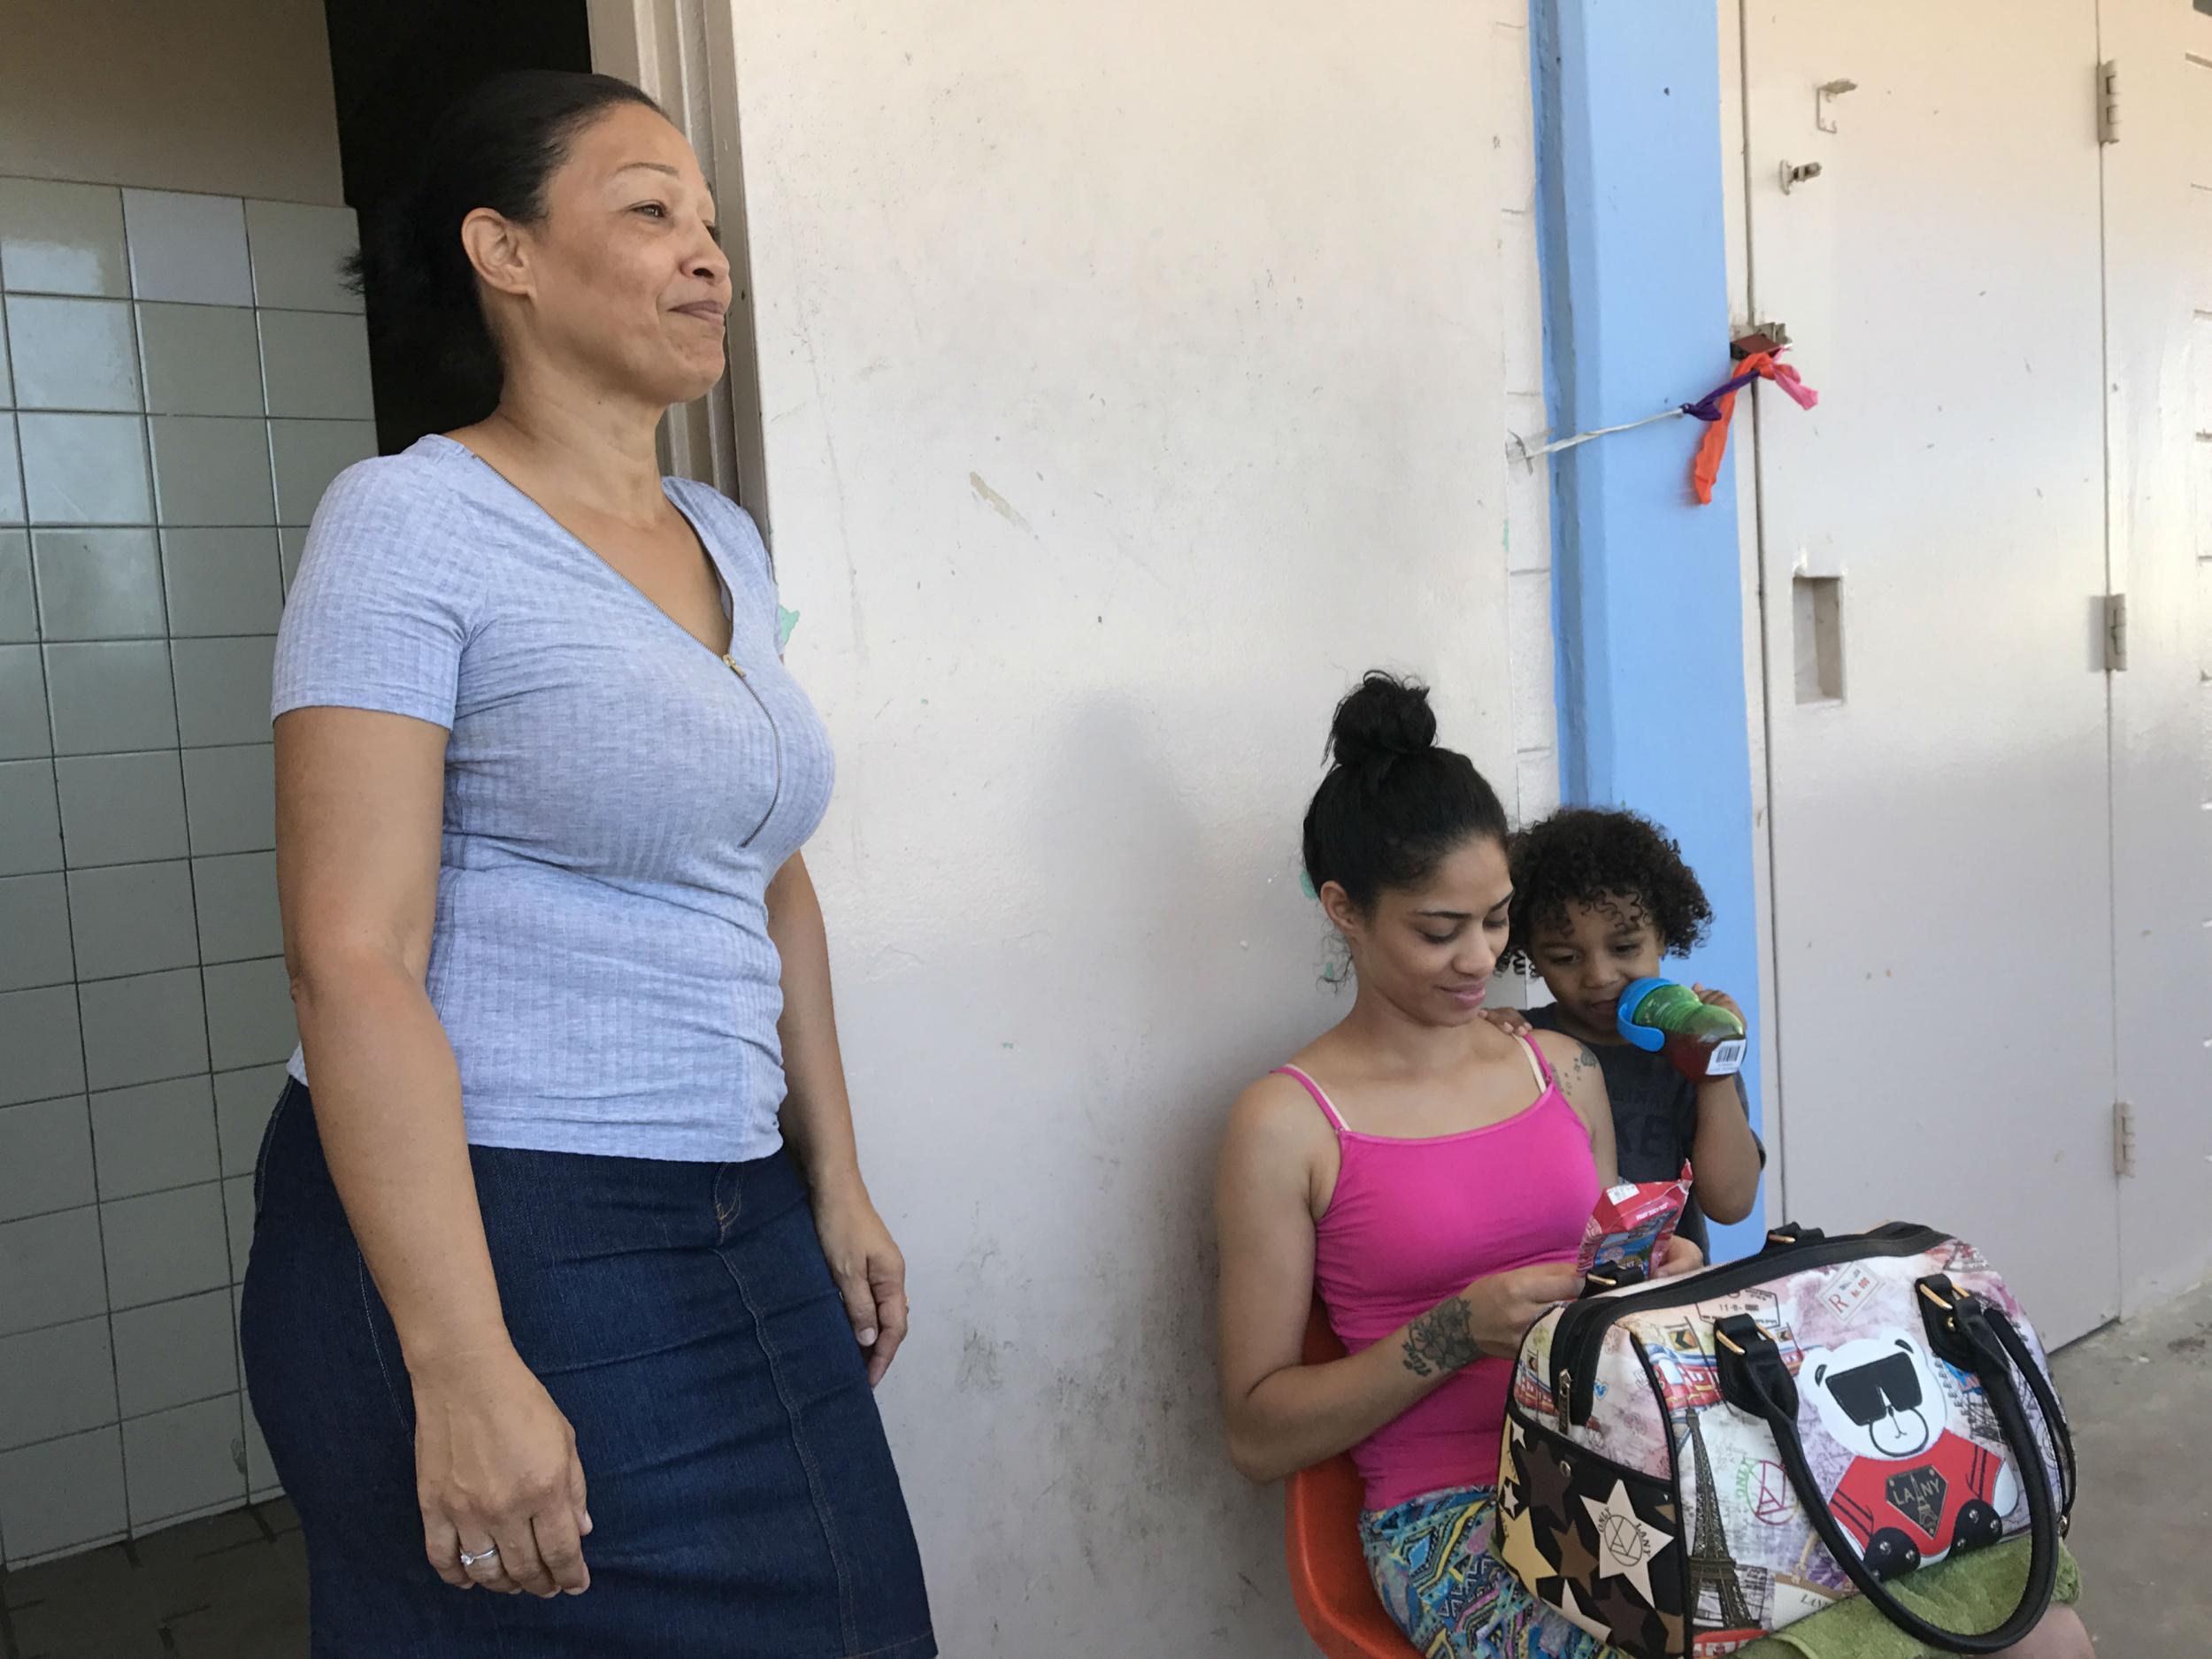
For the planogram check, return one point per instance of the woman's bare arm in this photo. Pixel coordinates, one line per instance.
(1583, 1083)
(818, 1114)
(817, 1121)
(360, 800)
(359, 803)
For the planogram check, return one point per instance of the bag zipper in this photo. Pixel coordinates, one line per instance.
(775, 732)
(1579, 1336)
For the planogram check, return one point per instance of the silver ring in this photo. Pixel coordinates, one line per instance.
(490, 1552)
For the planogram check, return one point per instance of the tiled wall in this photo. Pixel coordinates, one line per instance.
(180, 377)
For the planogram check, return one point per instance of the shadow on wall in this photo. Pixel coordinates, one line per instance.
(1061, 1429)
(1136, 1421)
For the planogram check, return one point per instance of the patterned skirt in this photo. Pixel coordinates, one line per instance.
(1431, 1563)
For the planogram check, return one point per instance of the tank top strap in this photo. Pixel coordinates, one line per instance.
(1320, 1099)
(1545, 1081)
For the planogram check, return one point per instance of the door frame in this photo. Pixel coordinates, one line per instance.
(2157, 193)
(682, 53)
(1735, 139)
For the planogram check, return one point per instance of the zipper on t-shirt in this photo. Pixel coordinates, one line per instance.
(775, 733)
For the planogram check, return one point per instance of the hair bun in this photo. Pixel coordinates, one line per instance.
(1383, 717)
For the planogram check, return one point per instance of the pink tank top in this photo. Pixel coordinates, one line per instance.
(1412, 1222)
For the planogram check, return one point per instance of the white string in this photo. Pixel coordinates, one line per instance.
(1529, 456)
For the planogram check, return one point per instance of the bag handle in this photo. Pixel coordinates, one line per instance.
(1941, 1299)
(2046, 1403)
(1968, 1333)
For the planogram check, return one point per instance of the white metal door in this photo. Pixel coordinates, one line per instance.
(1933, 555)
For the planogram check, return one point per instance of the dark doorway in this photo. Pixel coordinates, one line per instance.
(395, 65)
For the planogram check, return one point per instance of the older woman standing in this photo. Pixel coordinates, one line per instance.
(566, 1277)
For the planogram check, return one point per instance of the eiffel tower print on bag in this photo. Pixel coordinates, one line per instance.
(1694, 1463)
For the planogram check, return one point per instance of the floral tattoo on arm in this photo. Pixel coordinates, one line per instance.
(1441, 1341)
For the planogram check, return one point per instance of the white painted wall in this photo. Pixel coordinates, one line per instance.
(1132, 378)
(232, 97)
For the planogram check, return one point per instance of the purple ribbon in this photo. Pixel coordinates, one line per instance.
(1708, 407)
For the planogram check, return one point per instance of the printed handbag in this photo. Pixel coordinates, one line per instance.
(1692, 1462)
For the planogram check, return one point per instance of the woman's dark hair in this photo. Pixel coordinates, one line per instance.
(496, 146)
(1584, 854)
(1393, 805)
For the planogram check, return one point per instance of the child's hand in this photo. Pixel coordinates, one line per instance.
(1720, 999)
(1682, 1256)
(1511, 1021)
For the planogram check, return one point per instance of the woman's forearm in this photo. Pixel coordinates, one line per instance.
(817, 1118)
(387, 1107)
(1303, 1415)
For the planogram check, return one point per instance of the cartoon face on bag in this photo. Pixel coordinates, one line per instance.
(1915, 1488)
(1876, 1398)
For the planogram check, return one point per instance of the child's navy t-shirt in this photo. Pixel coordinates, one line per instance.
(1654, 1114)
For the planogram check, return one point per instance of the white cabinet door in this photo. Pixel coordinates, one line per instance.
(1933, 555)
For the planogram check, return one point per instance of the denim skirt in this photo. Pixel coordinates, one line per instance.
(743, 1501)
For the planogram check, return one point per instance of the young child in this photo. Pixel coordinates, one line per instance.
(1601, 898)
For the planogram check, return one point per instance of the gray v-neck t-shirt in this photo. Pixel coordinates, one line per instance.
(617, 797)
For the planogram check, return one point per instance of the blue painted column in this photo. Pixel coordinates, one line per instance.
(1647, 593)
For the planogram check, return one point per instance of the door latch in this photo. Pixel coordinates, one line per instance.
(1825, 95)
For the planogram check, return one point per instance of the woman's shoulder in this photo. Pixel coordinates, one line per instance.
(1575, 1074)
(416, 488)
(1273, 1095)
(1558, 1047)
(1574, 1064)
(716, 515)
(1276, 1136)
(1281, 1104)
(391, 534)
(432, 461)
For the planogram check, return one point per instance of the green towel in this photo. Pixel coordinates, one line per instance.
(1968, 1593)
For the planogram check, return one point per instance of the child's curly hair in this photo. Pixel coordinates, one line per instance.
(1580, 855)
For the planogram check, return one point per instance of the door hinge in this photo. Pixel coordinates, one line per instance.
(2116, 633)
(2123, 1138)
(2108, 101)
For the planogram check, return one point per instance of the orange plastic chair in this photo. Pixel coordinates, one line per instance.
(1328, 1574)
